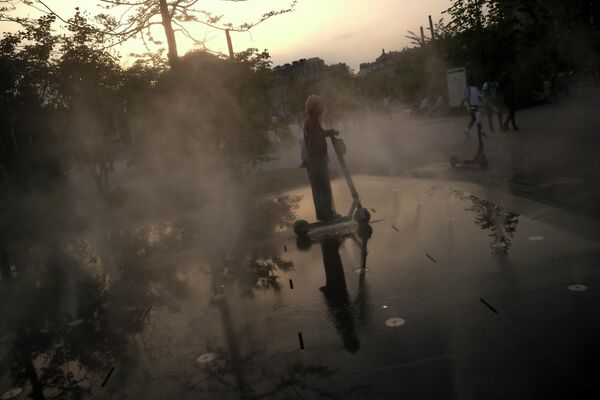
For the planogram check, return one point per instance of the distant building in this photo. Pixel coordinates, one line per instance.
(305, 69)
(308, 69)
(367, 68)
(382, 63)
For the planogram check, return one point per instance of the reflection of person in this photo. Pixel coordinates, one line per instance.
(336, 294)
(5, 263)
(316, 158)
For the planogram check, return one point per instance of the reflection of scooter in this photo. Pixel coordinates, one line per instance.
(357, 212)
(359, 234)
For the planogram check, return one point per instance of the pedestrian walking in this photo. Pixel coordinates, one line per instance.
(473, 99)
(510, 94)
(490, 100)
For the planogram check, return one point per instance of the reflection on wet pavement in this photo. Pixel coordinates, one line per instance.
(160, 311)
(501, 223)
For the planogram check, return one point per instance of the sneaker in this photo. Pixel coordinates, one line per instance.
(333, 217)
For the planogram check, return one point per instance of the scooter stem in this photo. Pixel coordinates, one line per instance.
(346, 172)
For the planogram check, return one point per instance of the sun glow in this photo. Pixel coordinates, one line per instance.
(351, 31)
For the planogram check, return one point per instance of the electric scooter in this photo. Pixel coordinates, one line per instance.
(479, 159)
(357, 212)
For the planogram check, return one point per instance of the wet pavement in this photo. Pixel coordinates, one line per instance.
(454, 294)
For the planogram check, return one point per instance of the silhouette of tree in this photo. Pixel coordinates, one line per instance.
(175, 16)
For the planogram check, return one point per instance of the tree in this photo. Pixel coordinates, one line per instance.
(26, 90)
(89, 79)
(210, 105)
(534, 39)
(140, 16)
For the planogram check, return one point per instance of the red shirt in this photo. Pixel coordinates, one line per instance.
(314, 137)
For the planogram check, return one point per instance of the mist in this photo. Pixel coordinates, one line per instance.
(148, 207)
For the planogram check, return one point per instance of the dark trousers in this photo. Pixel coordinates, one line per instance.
(511, 118)
(318, 175)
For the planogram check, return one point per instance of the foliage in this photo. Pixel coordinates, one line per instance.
(175, 16)
(215, 106)
(533, 41)
(334, 83)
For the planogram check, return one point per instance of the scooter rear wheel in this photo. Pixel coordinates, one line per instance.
(483, 163)
(300, 227)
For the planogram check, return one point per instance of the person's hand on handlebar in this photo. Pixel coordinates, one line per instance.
(332, 132)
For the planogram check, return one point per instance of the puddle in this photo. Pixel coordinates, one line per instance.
(395, 322)
(206, 358)
(51, 392)
(11, 394)
(577, 287)
(536, 238)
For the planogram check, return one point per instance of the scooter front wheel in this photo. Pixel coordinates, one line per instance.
(362, 216)
(454, 161)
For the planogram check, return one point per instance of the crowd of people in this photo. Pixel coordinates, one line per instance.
(492, 97)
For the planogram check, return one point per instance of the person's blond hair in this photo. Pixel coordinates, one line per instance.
(314, 105)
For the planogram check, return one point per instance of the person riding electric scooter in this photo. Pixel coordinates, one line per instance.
(317, 160)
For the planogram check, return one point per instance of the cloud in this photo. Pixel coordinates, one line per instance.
(343, 36)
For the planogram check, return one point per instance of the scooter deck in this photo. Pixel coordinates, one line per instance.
(456, 161)
(320, 224)
(461, 161)
(356, 211)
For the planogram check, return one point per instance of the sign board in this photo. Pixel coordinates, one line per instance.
(457, 82)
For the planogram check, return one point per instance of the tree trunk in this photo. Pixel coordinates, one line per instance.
(5, 263)
(170, 34)
(24, 348)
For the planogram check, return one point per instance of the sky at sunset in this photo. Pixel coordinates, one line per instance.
(351, 31)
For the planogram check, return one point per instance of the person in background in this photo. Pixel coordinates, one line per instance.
(436, 110)
(424, 106)
(387, 107)
(490, 94)
(510, 93)
(316, 158)
(473, 99)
